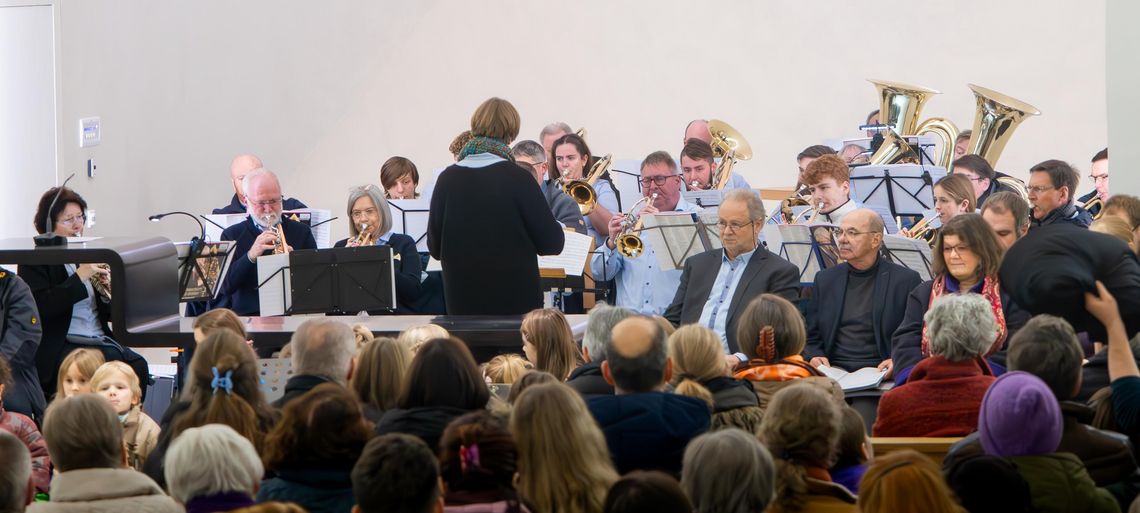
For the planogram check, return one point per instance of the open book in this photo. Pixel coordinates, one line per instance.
(862, 379)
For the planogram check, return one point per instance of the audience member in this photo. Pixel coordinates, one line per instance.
(313, 448)
(642, 491)
(416, 336)
(1126, 207)
(213, 468)
(699, 365)
(117, 382)
(855, 451)
(548, 342)
(587, 379)
(17, 487)
(801, 428)
(442, 383)
(572, 475)
(903, 482)
(1116, 227)
(21, 333)
(961, 328)
(322, 353)
(478, 462)
(506, 369)
(528, 380)
(1020, 420)
(85, 441)
(363, 336)
(1008, 214)
(75, 372)
(380, 370)
(989, 484)
(396, 473)
(645, 428)
(24, 429)
(728, 471)
(1094, 373)
(776, 336)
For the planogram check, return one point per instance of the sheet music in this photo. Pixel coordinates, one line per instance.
(704, 199)
(225, 220)
(213, 265)
(810, 248)
(908, 191)
(434, 265)
(910, 253)
(862, 379)
(275, 294)
(317, 217)
(573, 256)
(674, 238)
(410, 217)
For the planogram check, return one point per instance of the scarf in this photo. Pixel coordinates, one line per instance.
(787, 369)
(485, 145)
(991, 290)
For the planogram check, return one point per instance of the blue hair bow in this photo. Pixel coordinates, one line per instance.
(224, 382)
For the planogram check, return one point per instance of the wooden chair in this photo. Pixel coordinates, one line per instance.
(934, 448)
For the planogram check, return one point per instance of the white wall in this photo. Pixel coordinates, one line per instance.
(326, 91)
(1122, 46)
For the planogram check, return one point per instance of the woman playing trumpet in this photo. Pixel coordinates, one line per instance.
(370, 224)
(953, 195)
(571, 157)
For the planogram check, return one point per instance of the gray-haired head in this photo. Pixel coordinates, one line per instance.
(529, 150)
(210, 460)
(557, 127)
(323, 347)
(377, 195)
(257, 174)
(82, 432)
(1047, 347)
(751, 199)
(15, 473)
(961, 326)
(728, 471)
(599, 324)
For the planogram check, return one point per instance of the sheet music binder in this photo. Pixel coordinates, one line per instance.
(201, 269)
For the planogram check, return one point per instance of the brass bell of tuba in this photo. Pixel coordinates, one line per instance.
(996, 117)
(582, 191)
(628, 243)
(900, 106)
(729, 146)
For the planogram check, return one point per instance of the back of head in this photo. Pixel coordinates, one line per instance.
(323, 347)
(443, 373)
(637, 355)
(1019, 417)
(696, 354)
(224, 387)
(83, 432)
(363, 336)
(506, 368)
(459, 142)
(985, 484)
(396, 473)
(478, 458)
(905, 481)
(801, 428)
(728, 471)
(961, 326)
(977, 165)
(1127, 206)
(642, 491)
(15, 473)
(416, 336)
(599, 323)
(529, 150)
(322, 429)
(786, 322)
(853, 448)
(815, 151)
(220, 318)
(527, 380)
(496, 118)
(1047, 347)
(380, 371)
(1114, 226)
(209, 460)
(549, 332)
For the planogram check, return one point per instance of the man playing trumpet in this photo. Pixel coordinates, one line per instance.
(829, 180)
(265, 232)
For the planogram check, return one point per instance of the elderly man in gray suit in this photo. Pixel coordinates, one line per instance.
(716, 285)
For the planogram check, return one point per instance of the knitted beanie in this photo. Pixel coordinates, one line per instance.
(1019, 417)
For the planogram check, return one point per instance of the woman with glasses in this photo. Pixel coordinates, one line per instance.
(370, 224)
(572, 159)
(967, 255)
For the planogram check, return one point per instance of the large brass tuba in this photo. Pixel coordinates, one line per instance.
(582, 191)
(729, 146)
(628, 242)
(997, 116)
(900, 106)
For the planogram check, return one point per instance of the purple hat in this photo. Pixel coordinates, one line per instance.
(1019, 417)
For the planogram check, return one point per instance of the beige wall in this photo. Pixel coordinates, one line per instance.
(1122, 45)
(325, 91)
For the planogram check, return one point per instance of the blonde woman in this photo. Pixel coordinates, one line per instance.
(506, 369)
(379, 376)
(415, 336)
(572, 475)
(548, 342)
(699, 371)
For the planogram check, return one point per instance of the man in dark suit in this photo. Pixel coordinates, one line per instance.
(857, 305)
(716, 285)
(256, 237)
(242, 165)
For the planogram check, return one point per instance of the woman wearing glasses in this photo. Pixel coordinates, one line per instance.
(571, 157)
(967, 255)
(370, 224)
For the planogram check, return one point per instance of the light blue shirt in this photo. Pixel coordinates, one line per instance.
(84, 317)
(606, 198)
(715, 313)
(478, 160)
(642, 285)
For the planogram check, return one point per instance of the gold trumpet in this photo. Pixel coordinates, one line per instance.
(280, 246)
(101, 283)
(363, 238)
(925, 229)
(628, 243)
(1095, 202)
(582, 191)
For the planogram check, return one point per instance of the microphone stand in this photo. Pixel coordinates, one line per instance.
(51, 238)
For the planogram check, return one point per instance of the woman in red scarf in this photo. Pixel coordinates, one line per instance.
(967, 256)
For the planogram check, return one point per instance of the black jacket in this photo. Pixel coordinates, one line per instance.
(20, 332)
(649, 431)
(1094, 375)
(825, 309)
(588, 380)
(487, 226)
(427, 422)
(298, 386)
(235, 206)
(765, 273)
(995, 186)
(1068, 214)
(407, 267)
(239, 290)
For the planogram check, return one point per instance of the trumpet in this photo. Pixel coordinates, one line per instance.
(628, 243)
(582, 191)
(799, 198)
(1095, 201)
(280, 246)
(925, 229)
(363, 238)
(101, 283)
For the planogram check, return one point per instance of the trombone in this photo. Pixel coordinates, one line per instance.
(582, 191)
(628, 243)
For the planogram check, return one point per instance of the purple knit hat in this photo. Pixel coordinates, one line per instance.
(1019, 417)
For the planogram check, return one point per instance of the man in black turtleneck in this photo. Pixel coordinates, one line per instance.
(1051, 186)
(857, 305)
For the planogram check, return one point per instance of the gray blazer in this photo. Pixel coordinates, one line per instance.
(564, 208)
(765, 273)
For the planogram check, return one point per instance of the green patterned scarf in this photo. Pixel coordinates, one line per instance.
(485, 145)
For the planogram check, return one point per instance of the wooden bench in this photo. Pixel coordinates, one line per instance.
(934, 448)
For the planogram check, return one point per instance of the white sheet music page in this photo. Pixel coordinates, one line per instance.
(573, 256)
(913, 254)
(410, 217)
(673, 238)
(224, 220)
(314, 217)
(274, 294)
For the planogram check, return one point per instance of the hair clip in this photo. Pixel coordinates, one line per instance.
(224, 382)
(468, 455)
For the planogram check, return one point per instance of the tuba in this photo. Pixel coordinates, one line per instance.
(582, 191)
(900, 106)
(996, 117)
(729, 146)
(628, 242)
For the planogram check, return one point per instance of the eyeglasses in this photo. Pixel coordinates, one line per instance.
(971, 178)
(959, 249)
(850, 233)
(1038, 189)
(735, 227)
(264, 203)
(74, 220)
(1097, 178)
(368, 212)
(657, 180)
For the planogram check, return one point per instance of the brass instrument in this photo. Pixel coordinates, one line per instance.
(799, 198)
(1095, 201)
(581, 133)
(900, 106)
(363, 238)
(807, 216)
(997, 116)
(628, 243)
(582, 191)
(729, 146)
(925, 229)
(101, 283)
(280, 246)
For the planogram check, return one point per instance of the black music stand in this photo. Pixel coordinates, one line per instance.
(679, 237)
(202, 267)
(414, 212)
(810, 248)
(337, 280)
(914, 254)
(903, 189)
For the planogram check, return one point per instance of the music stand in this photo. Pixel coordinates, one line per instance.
(676, 236)
(202, 267)
(410, 217)
(902, 189)
(343, 280)
(913, 254)
(810, 248)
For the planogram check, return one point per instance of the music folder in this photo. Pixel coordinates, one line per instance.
(336, 281)
(914, 254)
